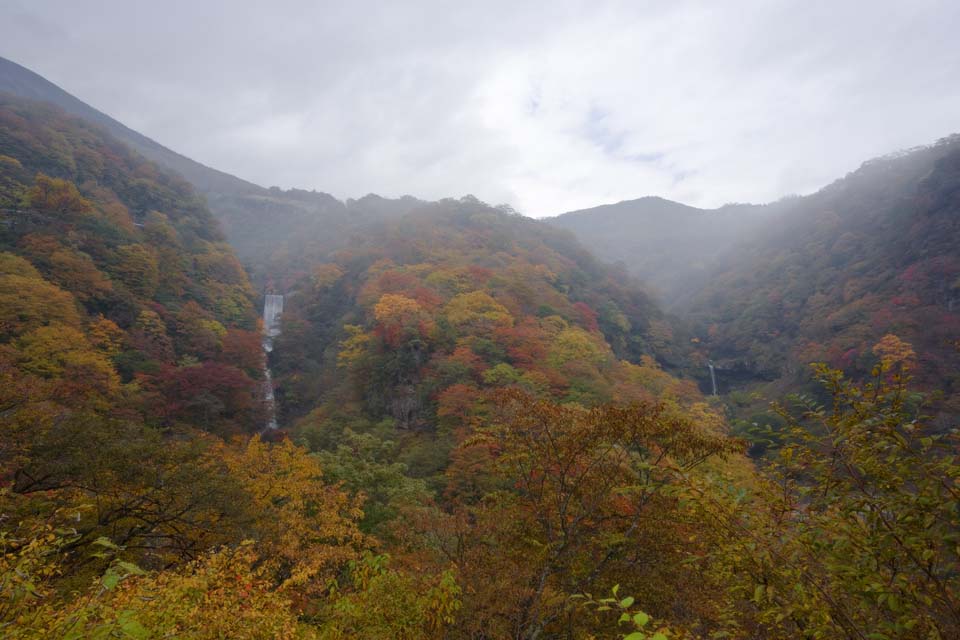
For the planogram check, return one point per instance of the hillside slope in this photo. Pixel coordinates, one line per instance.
(275, 232)
(127, 249)
(672, 247)
(536, 279)
(874, 254)
(20, 81)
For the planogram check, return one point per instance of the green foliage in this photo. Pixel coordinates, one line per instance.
(385, 603)
(856, 535)
(639, 622)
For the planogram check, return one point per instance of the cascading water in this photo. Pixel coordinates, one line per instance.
(713, 376)
(272, 309)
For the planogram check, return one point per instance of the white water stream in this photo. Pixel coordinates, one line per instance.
(272, 309)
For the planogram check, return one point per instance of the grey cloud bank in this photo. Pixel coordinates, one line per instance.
(547, 106)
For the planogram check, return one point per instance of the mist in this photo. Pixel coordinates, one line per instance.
(549, 107)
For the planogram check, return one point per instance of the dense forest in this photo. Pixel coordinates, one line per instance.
(766, 290)
(485, 431)
(869, 260)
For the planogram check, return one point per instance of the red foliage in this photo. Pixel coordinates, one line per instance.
(524, 342)
(207, 394)
(587, 316)
(243, 349)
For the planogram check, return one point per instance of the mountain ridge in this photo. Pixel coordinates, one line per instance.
(21, 81)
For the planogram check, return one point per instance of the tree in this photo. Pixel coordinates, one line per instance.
(58, 197)
(326, 275)
(591, 490)
(59, 351)
(149, 334)
(477, 313)
(386, 603)
(137, 267)
(400, 319)
(857, 533)
(223, 594)
(893, 351)
(27, 301)
(305, 528)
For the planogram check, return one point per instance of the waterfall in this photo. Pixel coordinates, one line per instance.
(272, 309)
(713, 376)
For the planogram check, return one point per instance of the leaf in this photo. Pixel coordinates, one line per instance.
(627, 602)
(131, 568)
(131, 627)
(110, 581)
(103, 541)
(641, 619)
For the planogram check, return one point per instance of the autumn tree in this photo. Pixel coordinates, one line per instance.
(855, 535)
(27, 301)
(400, 319)
(592, 491)
(305, 528)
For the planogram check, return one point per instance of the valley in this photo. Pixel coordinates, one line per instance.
(643, 420)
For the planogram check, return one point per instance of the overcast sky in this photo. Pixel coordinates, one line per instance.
(548, 106)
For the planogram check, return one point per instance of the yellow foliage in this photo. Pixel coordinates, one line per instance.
(221, 595)
(305, 529)
(477, 310)
(27, 301)
(54, 350)
(326, 275)
(892, 350)
(353, 347)
(392, 307)
(393, 604)
(57, 196)
(575, 344)
(106, 336)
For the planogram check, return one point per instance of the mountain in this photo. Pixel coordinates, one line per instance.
(138, 270)
(844, 276)
(532, 282)
(279, 234)
(274, 231)
(766, 289)
(130, 385)
(482, 428)
(20, 81)
(670, 246)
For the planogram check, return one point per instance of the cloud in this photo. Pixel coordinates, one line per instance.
(548, 106)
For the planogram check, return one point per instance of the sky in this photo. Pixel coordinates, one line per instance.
(546, 106)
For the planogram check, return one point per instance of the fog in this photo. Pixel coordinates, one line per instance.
(549, 106)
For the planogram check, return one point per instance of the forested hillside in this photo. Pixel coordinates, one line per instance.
(276, 233)
(20, 81)
(280, 235)
(416, 320)
(129, 357)
(863, 270)
(673, 248)
(121, 262)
